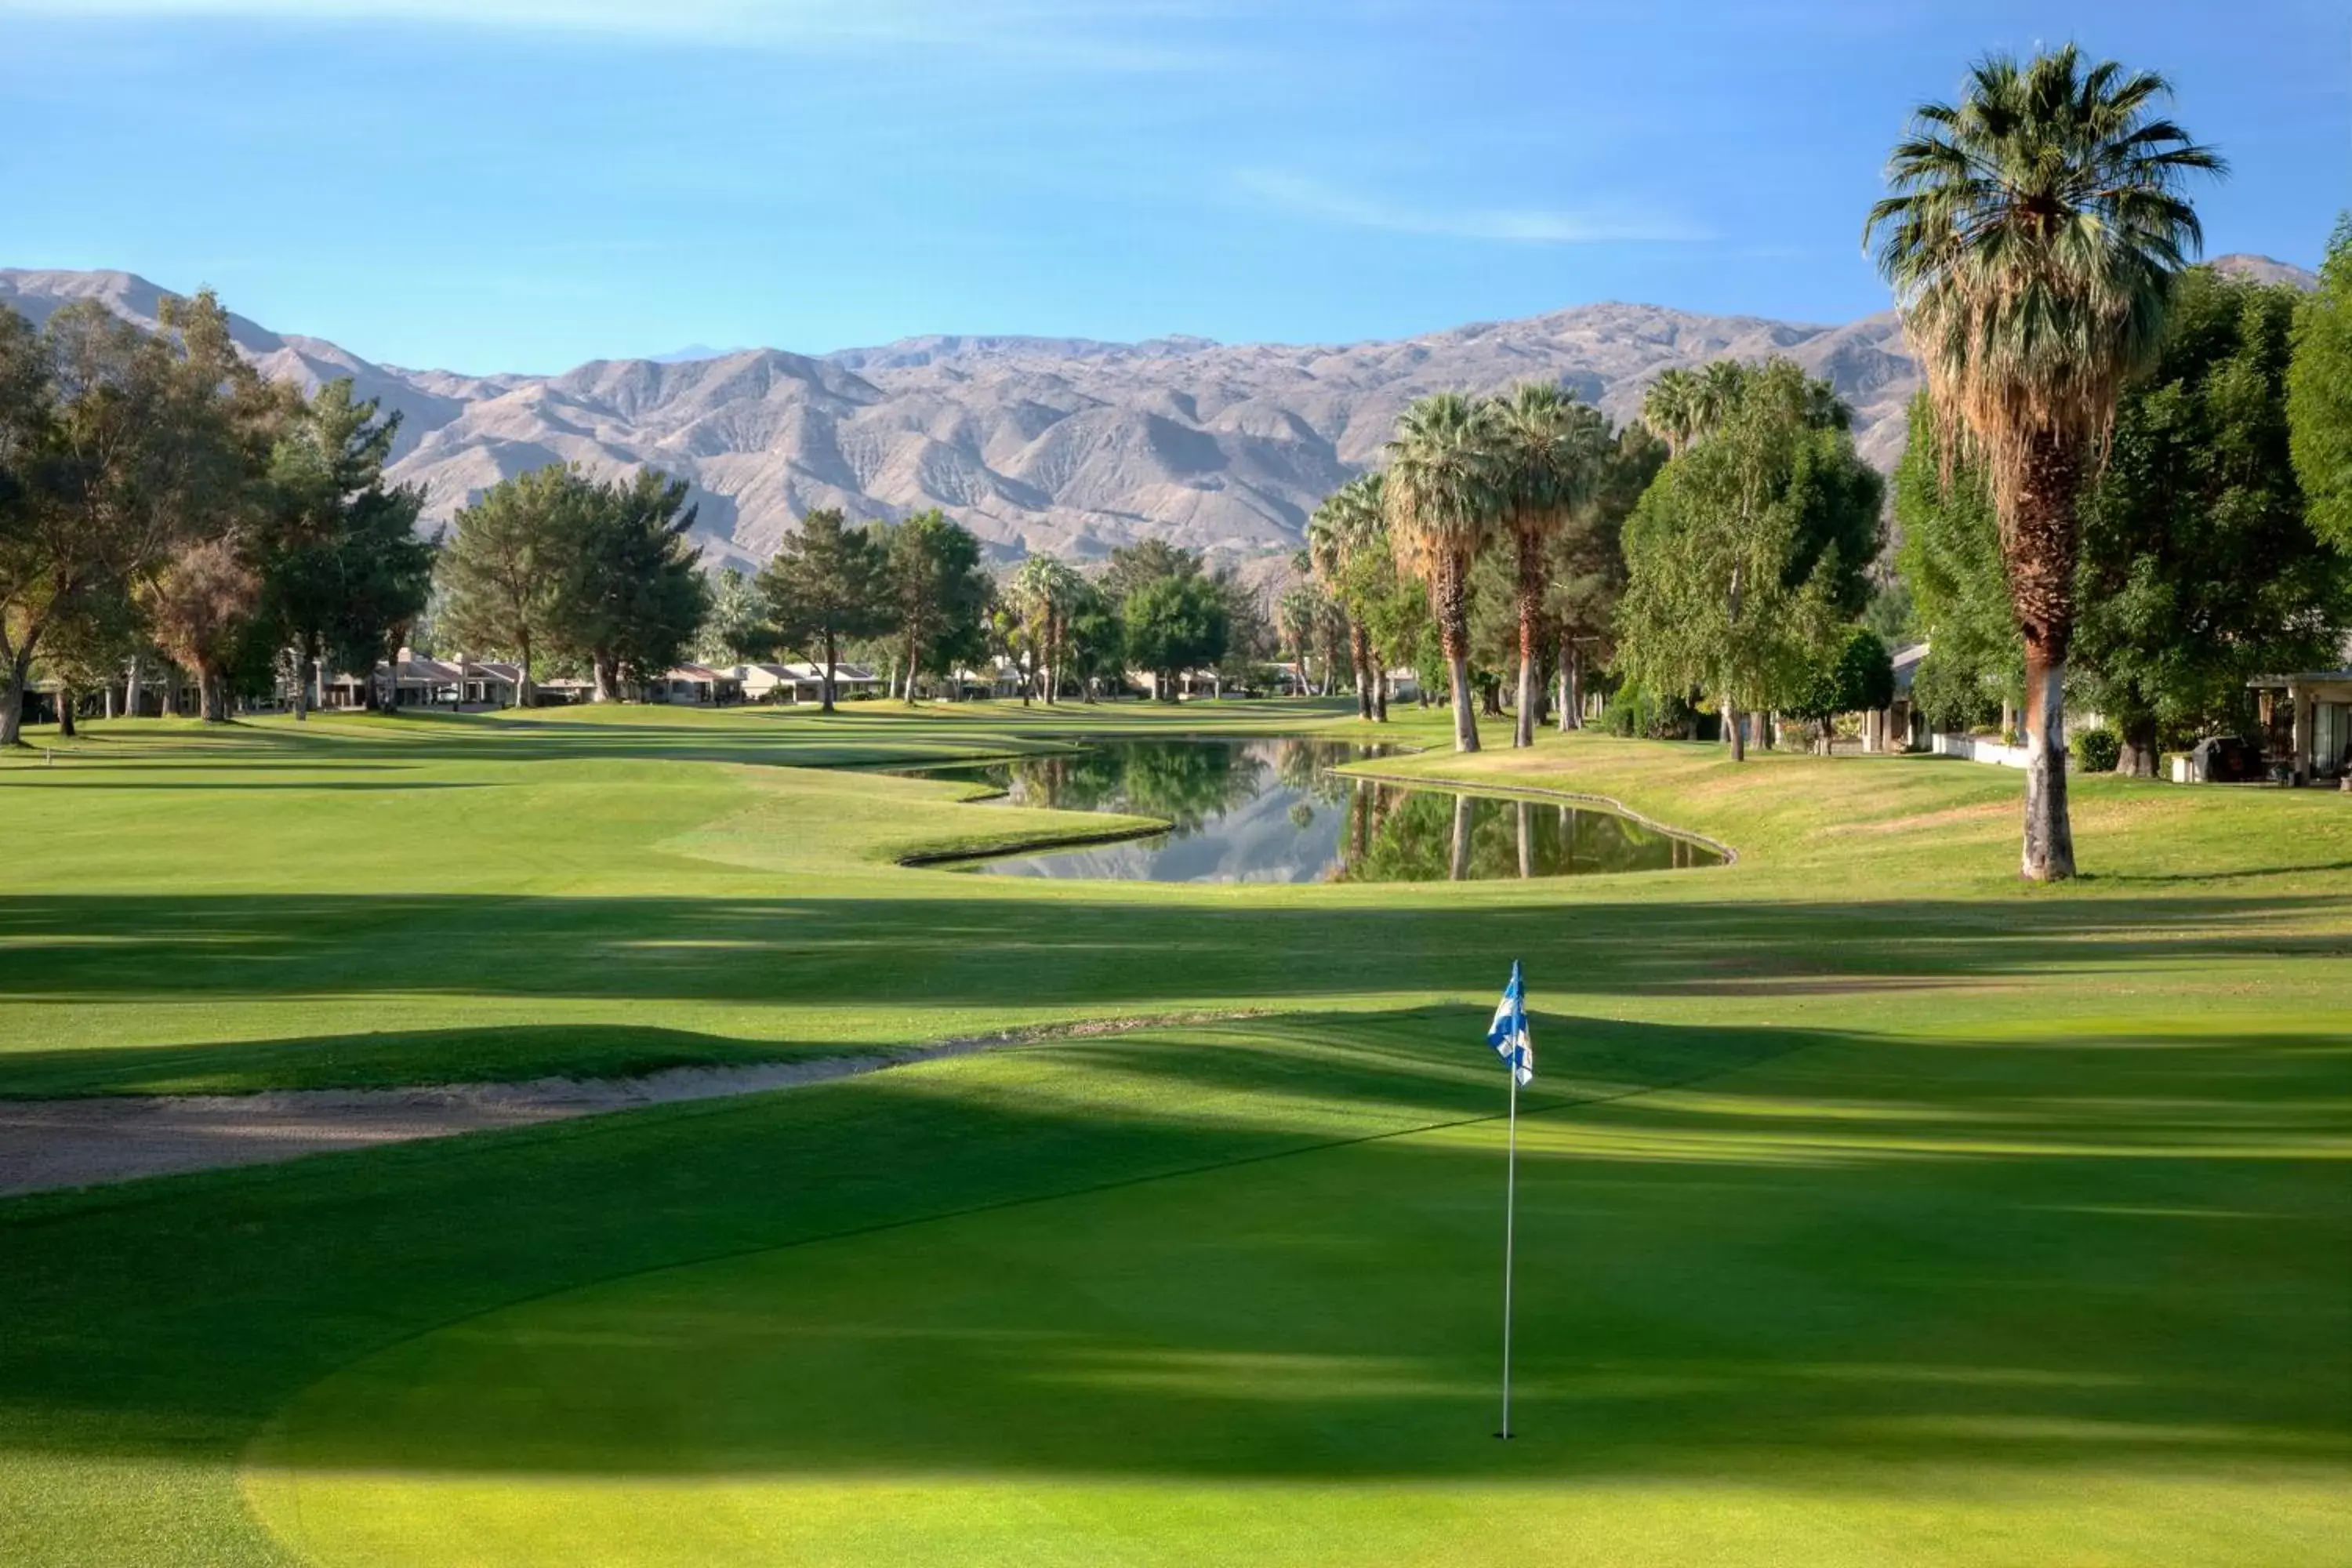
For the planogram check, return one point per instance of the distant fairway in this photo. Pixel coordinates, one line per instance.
(1874, 1209)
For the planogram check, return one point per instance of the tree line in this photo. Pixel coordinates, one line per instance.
(1717, 548)
(2129, 478)
(2129, 481)
(164, 508)
(915, 596)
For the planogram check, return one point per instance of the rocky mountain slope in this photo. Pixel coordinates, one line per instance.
(1058, 444)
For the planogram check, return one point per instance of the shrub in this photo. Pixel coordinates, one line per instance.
(2098, 752)
(1955, 699)
(1634, 712)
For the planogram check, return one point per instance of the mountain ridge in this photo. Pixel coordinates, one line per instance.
(1069, 444)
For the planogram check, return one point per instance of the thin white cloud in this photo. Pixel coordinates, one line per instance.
(1099, 33)
(1313, 199)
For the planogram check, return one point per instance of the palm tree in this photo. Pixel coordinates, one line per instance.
(2031, 240)
(1043, 590)
(1548, 447)
(1670, 408)
(1719, 390)
(1443, 503)
(1295, 618)
(1347, 528)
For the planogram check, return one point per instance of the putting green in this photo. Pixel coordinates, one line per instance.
(1760, 1321)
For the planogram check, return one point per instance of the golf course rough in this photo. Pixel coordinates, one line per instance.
(1874, 1209)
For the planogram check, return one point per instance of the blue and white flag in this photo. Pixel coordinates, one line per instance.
(1509, 1032)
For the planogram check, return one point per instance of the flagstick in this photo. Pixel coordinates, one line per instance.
(1510, 1224)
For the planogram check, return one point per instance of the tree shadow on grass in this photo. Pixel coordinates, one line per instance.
(957, 951)
(379, 1058)
(1241, 1255)
(305, 786)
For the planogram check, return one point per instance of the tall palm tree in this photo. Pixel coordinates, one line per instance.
(1442, 504)
(1043, 590)
(1295, 618)
(1670, 407)
(1549, 448)
(1346, 528)
(2031, 238)
(1719, 390)
(1682, 406)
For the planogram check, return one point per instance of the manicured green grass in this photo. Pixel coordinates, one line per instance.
(1876, 1209)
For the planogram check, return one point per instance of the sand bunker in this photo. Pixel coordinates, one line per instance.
(46, 1144)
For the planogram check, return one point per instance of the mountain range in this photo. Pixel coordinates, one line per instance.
(1035, 443)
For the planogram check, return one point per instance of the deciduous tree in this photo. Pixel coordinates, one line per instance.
(1745, 556)
(1175, 623)
(2320, 393)
(1948, 557)
(1856, 675)
(2200, 566)
(1585, 564)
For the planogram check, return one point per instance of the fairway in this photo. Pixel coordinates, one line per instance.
(1874, 1208)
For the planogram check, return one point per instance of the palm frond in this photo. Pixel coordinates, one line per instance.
(2032, 235)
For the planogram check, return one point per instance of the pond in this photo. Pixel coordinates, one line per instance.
(1272, 811)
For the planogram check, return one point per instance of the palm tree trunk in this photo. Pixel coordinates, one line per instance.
(2041, 548)
(1568, 697)
(1453, 634)
(1380, 688)
(1531, 590)
(1359, 653)
(2049, 834)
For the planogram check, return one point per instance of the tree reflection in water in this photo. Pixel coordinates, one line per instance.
(1272, 810)
(1421, 836)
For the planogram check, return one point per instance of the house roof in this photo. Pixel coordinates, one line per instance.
(2300, 678)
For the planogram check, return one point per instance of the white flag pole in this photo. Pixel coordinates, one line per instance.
(1510, 1224)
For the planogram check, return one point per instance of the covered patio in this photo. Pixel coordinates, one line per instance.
(2307, 722)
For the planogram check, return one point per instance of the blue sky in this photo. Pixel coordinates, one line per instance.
(522, 185)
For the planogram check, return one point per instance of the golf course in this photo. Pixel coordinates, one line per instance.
(1874, 1206)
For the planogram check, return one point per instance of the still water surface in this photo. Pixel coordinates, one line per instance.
(1272, 811)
